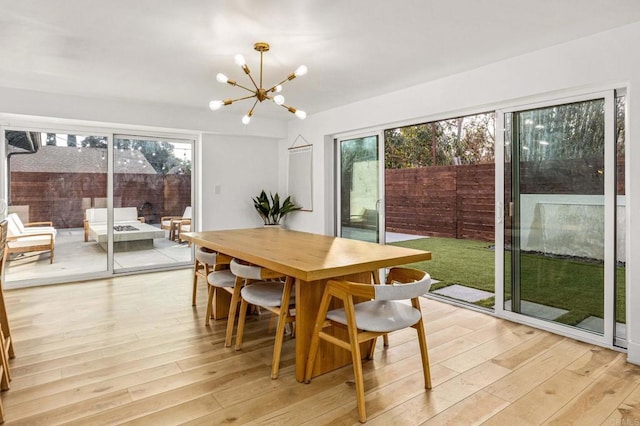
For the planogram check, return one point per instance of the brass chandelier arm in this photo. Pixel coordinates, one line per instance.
(291, 109)
(289, 78)
(244, 87)
(230, 101)
(250, 113)
(252, 81)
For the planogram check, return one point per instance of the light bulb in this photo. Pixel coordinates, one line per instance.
(278, 99)
(221, 78)
(239, 59)
(246, 119)
(214, 105)
(279, 88)
(302, 70)
(301, 114)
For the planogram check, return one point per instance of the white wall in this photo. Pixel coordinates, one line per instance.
(234, 170)
(101, 112)
(606, 60)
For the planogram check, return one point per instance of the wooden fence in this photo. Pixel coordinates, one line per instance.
(459, 201)
(63, 197)
(447, 201)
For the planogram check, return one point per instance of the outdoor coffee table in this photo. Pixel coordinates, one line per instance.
(127, 236)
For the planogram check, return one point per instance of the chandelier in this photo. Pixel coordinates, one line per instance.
(259, 92)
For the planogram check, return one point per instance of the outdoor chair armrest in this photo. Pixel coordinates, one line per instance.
(39, 223)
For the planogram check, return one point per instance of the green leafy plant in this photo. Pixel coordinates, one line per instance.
(270, 209)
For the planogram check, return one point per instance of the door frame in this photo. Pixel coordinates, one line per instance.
(608, 336)
(80, 127)
(379, 133)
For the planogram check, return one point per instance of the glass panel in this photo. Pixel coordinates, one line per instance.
(440, 196)
(54, 178)
(359, 192)
(152, 202)
(557, 214)
(621, 319)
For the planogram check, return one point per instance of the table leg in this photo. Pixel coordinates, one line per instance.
(221, 304)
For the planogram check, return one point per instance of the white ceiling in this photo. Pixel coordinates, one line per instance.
(169, 51)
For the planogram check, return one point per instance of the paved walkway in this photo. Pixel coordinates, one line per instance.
(472, 295)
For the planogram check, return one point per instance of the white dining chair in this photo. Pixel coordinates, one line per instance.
(275, 296)
(367, 321)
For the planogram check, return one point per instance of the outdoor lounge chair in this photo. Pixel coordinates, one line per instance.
(29, 237)
(174, 223)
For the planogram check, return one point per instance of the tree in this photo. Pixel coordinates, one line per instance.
(158, 154)
(461, 140)
(51, 139)
(95, 142)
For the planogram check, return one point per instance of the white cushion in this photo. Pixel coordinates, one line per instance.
(222, 278)
(120, 214)
(187, 213)
(265, 293)
(16, 227)
(379, 316)
(206, 257)
(29, 241)
(39, 230)
(12, 226)
(400, 291)
(123, 214)
(251, 272)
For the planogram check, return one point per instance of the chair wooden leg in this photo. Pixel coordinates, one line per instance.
(315, 337)
(372, 348)
(241, 319)
(422, 340)
(195, 282)
(280, 328)
(277, 346)
(212, 292)
(385, 339)
(4, 326)
(356, 358)
(6, 373)
(233, 309)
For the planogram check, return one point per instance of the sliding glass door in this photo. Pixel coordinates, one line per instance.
(52, 178)
(152, 201)
(360, 183)
(559, 223)
(111, 203)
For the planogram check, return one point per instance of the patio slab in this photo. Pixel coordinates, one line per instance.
(74, 257)
(596, 324)
(460, 292)
(537, 310)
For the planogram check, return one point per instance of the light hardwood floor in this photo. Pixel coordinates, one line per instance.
(133, 350)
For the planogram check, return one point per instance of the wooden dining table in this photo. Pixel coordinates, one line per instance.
(311, 259)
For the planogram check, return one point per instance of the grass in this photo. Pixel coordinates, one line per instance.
(570, 284)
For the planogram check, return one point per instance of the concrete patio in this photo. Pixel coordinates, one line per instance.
(73, 256)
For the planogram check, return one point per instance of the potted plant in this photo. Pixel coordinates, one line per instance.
(270, 209)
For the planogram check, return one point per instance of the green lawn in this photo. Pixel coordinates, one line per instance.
(563, 283)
